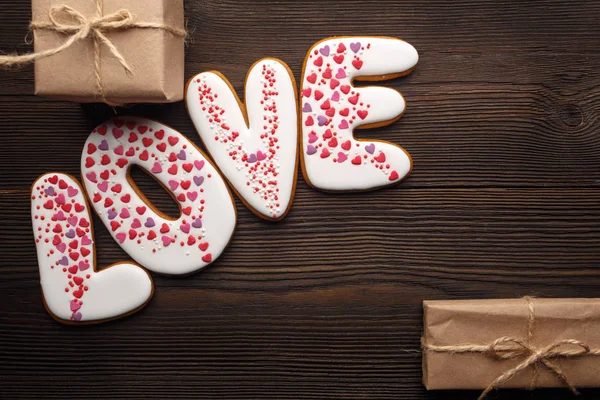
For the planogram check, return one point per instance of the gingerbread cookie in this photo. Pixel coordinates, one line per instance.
(254, 145)
(156, 241)
(73, 291)
(331, 108)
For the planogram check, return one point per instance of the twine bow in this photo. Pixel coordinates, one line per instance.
(507, 348)
(66, 20)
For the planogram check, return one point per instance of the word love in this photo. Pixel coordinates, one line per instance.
(255, 144)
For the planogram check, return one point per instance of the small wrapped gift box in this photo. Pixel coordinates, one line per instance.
(123, 51)
(518, 343)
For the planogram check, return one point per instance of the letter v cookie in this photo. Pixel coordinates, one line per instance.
(332, 159)
(73, 291)
(254, 145)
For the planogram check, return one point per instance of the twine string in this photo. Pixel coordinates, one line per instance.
(66, 20)
(509, 348)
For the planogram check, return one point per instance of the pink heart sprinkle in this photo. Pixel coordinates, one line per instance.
(340, 74)
(71, 191)
(86, 241)
(61, 247)
(341, 157)
(119, 150)
(157, 169)
(173, 184)
(166, 240)
(192, 195)
(60, 199)
(343, 124)
(312, 138)
(73, 220)
(185, 228)
(199, 164)
(335, 96)
(60, 216)
(83, 265)
(136, 223)
(75, 305)
(260, 155)
(103, 186)
(121, 236)
(91, 176)
(124, 213)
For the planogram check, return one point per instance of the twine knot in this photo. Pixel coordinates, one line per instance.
(508, 348)
(65, 19)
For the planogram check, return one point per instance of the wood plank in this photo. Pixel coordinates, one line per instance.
(504, 201)
(467, 41)
(331, 310)
(492, 135)
(441, 243)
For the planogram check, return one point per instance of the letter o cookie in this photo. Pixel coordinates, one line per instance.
(156, 241)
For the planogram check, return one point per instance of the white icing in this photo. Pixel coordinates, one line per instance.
(362, 56)
(114, 291)
(158, 242)
(268, 194)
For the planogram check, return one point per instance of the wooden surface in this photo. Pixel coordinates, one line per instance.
(503, 124)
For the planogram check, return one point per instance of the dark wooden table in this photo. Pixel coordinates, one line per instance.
(503, 124)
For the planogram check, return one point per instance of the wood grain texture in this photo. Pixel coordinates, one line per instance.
(503, 124)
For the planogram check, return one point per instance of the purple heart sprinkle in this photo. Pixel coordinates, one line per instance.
(197, 223)
(50, 191)
(198, 180)
(252, 158)
(181, 155)
(70, 234)
(324, 50)
(64, 261)
(355, 47)
(306, 108)
(103, 145)
(322, 120)
(112, 214)
(77, 316)
(370, 148)
(149, 223)
(310, 149)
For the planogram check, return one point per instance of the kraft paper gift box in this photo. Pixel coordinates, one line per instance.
(566, 331)
(155, 55)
